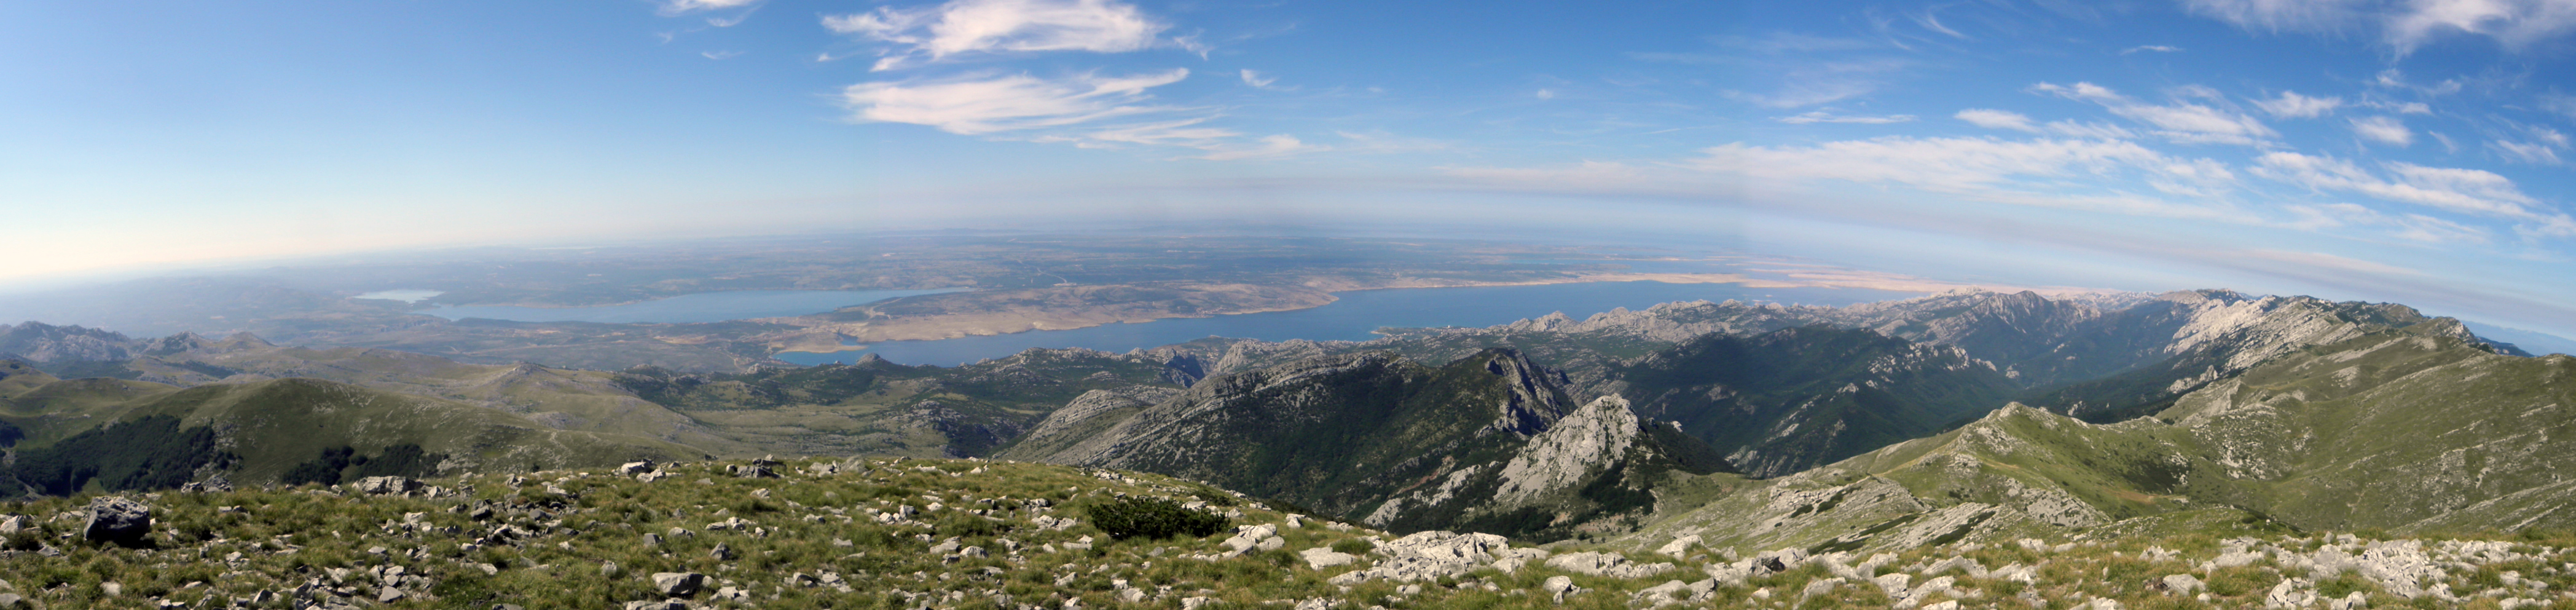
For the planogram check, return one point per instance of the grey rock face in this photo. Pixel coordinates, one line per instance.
(117, 520)
(1606, 564)
(1581, 443)
(380, 486)
(679, 584)
(1427, 556)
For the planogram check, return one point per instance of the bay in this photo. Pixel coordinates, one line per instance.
(1355, 317)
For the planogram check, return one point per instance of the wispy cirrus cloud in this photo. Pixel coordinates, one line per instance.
(2405, 25)
(2535, 145)
(2043, 172)
(679, 7)
(1821, 116)
(2384, 130)
(1271, 146)
(2151, 47)
(1997, 119)
(965, 27)
(1806, 70)
(2467, 191)
(2181, 121)
(2291, 105)
(993, 104)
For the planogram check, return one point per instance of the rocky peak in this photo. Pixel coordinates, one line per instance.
(1585, 442)
(1535, 395)
(41, 342)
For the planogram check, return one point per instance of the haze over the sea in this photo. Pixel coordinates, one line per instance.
(2413, 152)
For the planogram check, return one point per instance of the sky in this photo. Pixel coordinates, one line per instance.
(2413, 151)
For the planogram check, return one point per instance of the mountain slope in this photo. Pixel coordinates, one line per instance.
(1489, 442)
(2413, 431)
(1792, 399)
(266, 429)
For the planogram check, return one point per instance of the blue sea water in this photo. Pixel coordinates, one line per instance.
(701, 307)
(1354, 317)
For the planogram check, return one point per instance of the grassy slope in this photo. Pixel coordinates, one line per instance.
(276, 424)
(2396, 430)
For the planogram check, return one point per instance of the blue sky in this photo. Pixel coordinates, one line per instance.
(2412, 151)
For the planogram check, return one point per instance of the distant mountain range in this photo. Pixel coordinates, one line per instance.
(1881, 425)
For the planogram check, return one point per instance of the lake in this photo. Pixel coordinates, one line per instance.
(1353, 318)
(701, 307)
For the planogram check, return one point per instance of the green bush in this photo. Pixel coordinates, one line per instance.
(1131, 517)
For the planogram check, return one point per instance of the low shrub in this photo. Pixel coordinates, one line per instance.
(1132, 516)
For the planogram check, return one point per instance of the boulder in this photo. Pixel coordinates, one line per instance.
(382, 486)
(1320, 558)
(1560, 587)
(2180, 584)
(635, 468)
(679, 584)
(1679, 546)
(118, 520)
(1248, 536)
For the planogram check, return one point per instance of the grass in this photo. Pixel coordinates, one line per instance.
(822, 526)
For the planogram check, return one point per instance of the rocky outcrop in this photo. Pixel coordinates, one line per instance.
(1580, 445)
(117, 520)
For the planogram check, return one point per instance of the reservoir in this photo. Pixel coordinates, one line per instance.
(1355, 317)
(690, 308)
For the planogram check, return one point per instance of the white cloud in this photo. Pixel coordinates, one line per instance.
(675, 7)
(2291, 105)
(1545, 94)
(723, 22)
(2020, 172)
(2513, 22)
(2104, 131)
(2448, 146)
(2384, 130)
(2281, 15)
(2404, 25)
(1006, 103)
(1257, 80)
(2540, 151)
(1997, 119)
(2459, 190)
(2152, 47)
(2180, 122)
(1270, 147)
(1183, 132)
(1825, 82)
(720, 55)
(989, 26)
(1820, 116)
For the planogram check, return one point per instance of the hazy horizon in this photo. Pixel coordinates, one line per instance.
(2409, 152)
